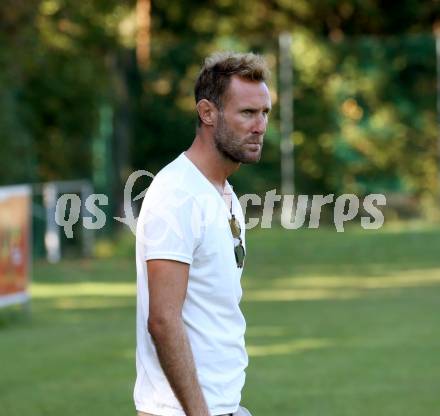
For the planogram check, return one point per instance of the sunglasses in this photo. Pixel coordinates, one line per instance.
(236, 233)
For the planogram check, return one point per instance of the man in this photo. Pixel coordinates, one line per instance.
(190, 249)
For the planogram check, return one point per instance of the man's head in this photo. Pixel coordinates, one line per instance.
(233, 99)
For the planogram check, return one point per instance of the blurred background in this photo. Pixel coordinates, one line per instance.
(90, 91)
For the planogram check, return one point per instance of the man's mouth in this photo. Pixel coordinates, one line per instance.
(254, 145)
(258, 141)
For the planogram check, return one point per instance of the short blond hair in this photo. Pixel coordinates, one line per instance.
(215, 75)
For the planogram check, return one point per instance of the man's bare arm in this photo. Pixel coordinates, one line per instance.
(167, 285)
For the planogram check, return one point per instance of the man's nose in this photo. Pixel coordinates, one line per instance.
(260, 124)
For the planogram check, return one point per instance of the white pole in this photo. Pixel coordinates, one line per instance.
(52, 240)
(286, 114)
(437, 50)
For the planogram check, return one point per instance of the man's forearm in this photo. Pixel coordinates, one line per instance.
(176, 359)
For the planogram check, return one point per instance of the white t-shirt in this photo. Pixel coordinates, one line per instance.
(184, 218)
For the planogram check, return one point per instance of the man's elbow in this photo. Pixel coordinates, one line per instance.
(160, 325)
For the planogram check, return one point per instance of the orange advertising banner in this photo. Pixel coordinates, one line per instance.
(15, 249)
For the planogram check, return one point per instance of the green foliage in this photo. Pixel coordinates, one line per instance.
(366, 114)
(364, 90)
(53, 78)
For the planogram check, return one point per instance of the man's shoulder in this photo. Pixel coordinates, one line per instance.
(175, 184)
(174, 177)
(182, 177)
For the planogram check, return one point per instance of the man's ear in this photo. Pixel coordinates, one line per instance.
(207, 112)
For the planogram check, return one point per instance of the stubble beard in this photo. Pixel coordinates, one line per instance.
(230, 146)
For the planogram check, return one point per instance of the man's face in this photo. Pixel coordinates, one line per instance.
(242, 122)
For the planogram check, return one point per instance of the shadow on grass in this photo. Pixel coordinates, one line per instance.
(279, 252)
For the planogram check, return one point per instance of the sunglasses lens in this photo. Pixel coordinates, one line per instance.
(236, 233)
(235, 227)
(239, 255)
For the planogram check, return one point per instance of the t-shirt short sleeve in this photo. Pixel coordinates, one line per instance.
(170, 226)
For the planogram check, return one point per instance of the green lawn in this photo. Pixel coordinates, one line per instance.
(338, 324)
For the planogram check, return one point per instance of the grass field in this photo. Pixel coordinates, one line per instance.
(338, 324)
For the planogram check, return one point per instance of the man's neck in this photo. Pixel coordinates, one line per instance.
(204, 154)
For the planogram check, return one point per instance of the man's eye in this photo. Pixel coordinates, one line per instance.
(247, 112)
